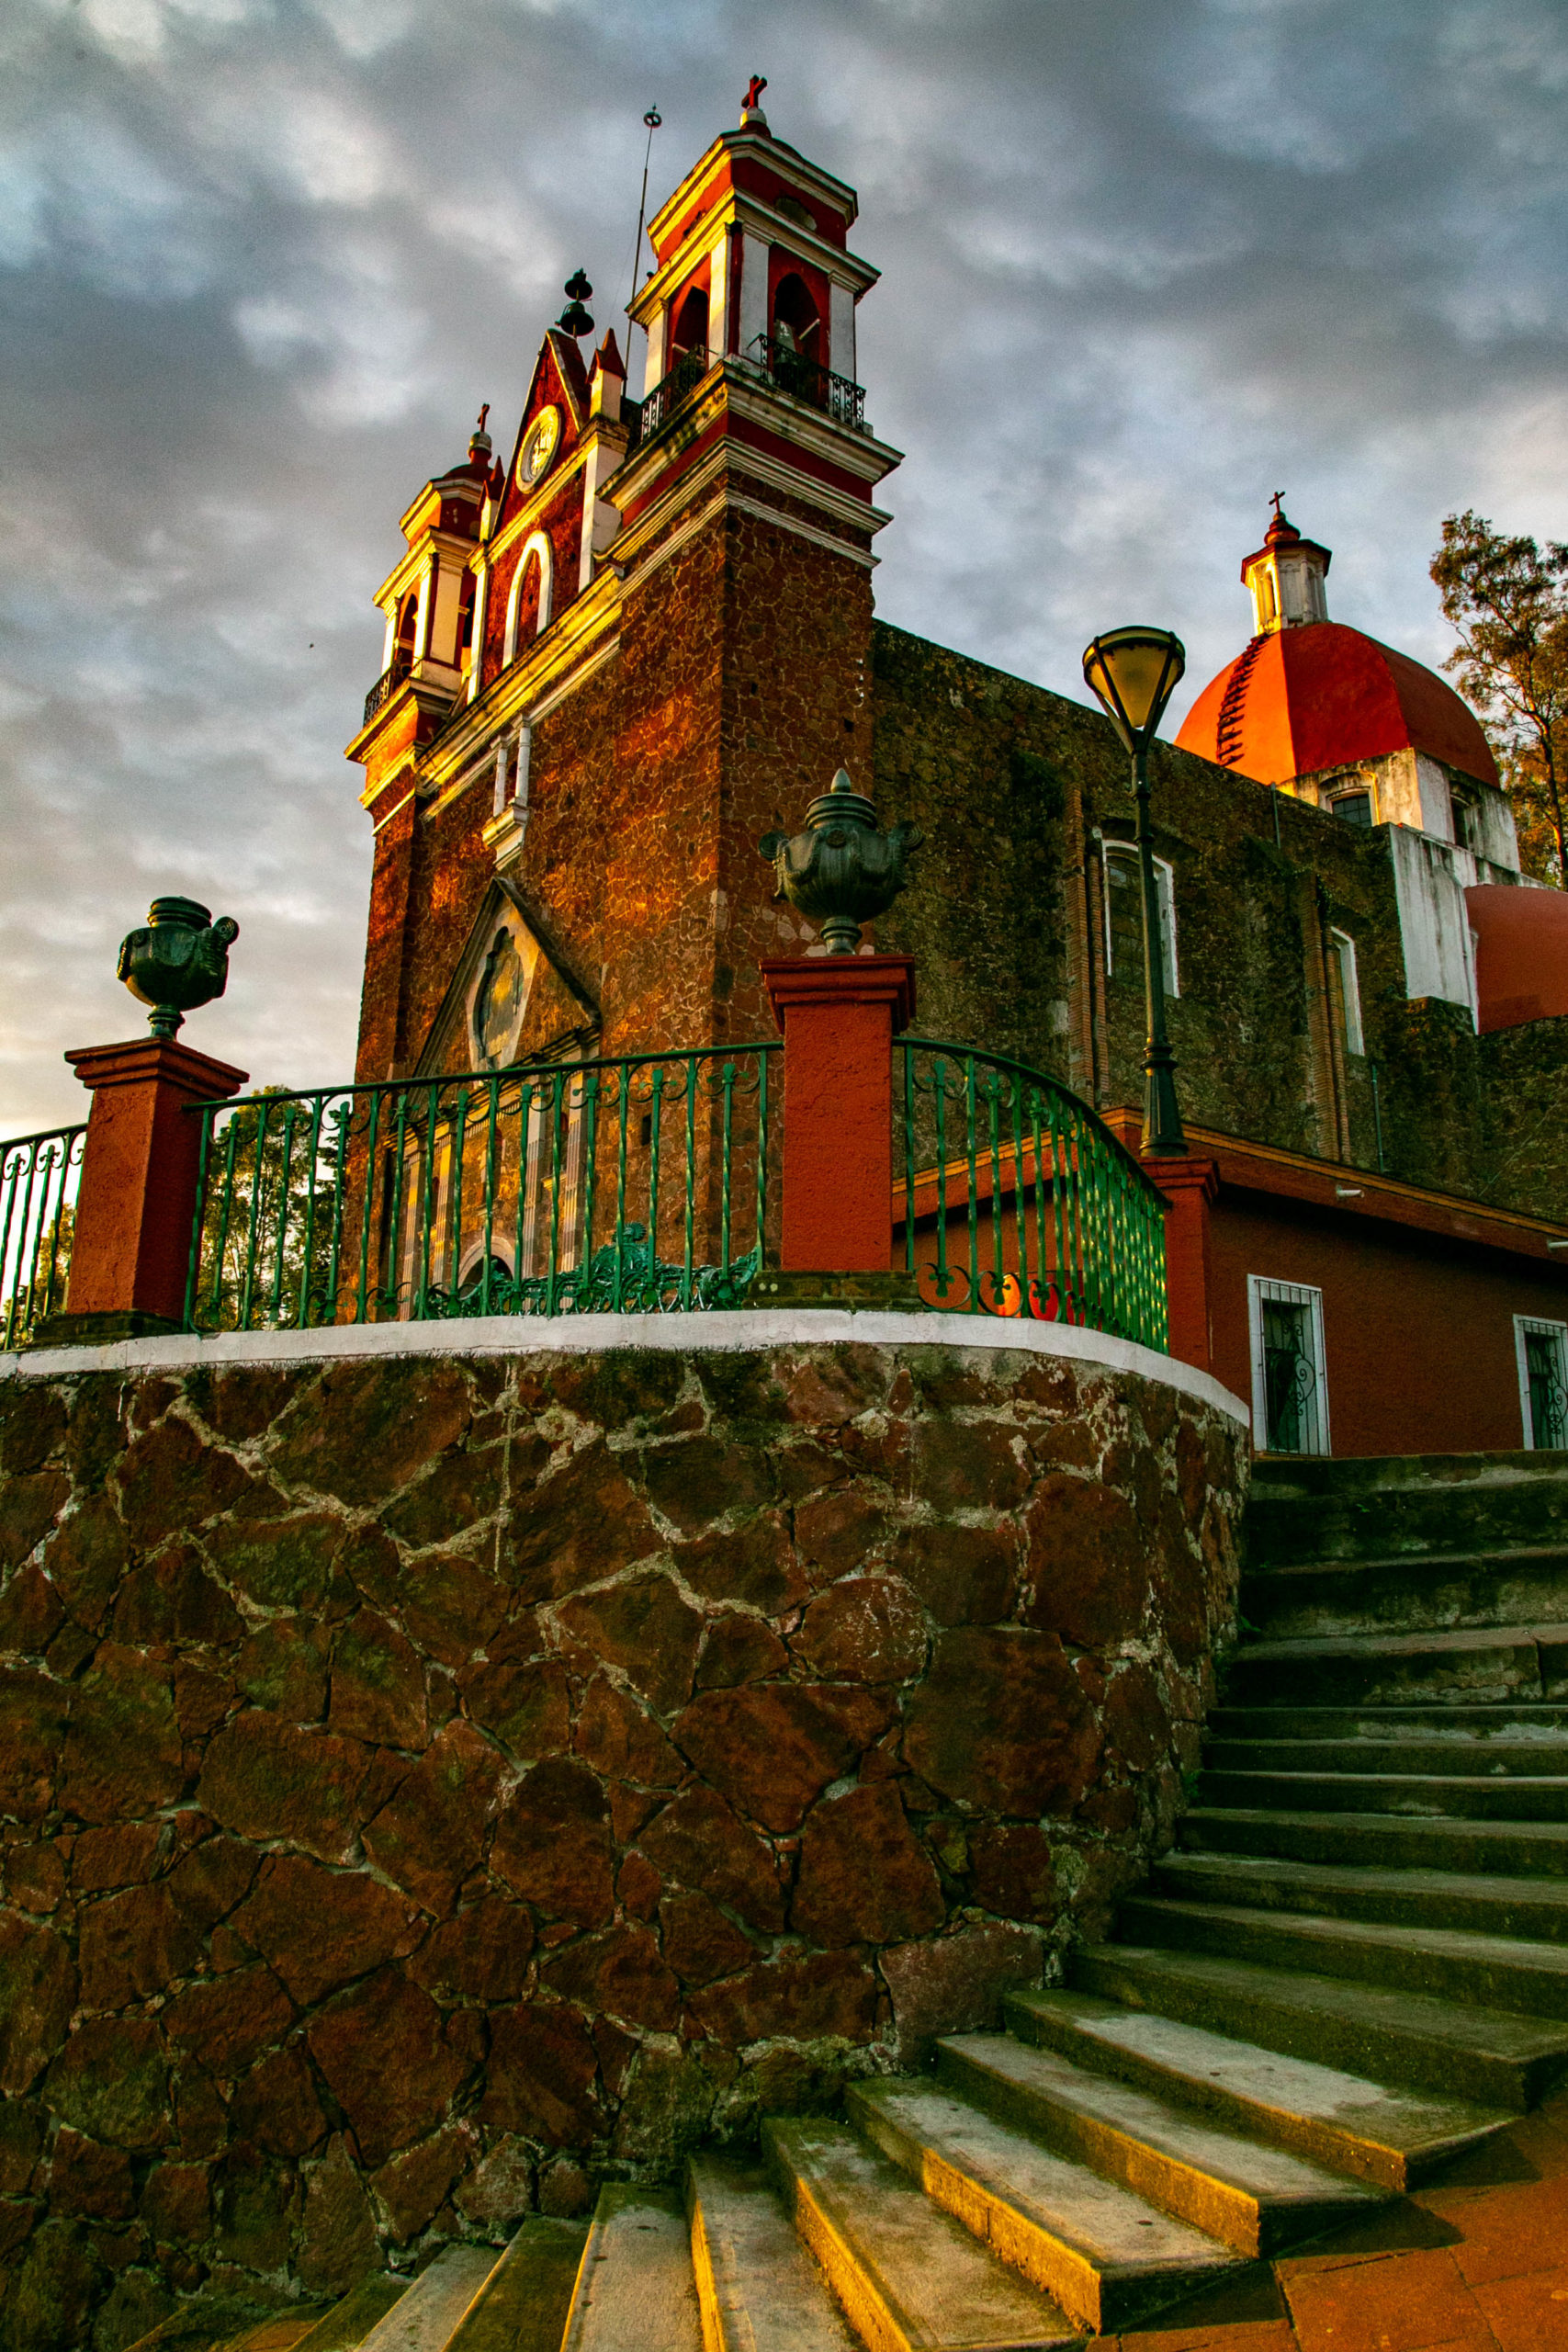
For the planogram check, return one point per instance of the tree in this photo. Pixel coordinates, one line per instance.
(1507, 600)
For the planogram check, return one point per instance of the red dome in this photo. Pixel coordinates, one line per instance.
(1323, 695)
(1521, 952)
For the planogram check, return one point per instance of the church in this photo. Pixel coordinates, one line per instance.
(621, 654)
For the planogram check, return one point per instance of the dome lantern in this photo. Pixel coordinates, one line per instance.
(1286, 576)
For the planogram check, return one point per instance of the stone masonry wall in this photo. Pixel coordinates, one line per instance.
(430, 1785)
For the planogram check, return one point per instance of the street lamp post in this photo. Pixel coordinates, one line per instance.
(1132, 672)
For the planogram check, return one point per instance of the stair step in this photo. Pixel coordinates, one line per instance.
(349, 2321)
(524, 2304)
(1372, 2131)
(427, 2317)
(635, 2288)
(1467, 1756)
(1529, 1662)
(1445, 1719)
(1371, 1509)
(1447, 1963)
(1103, 2252)
(911, 2277)
(1252, 2196)
(1408, 1593)
(1516, 1849)
(1455, 1796)
(1490, 2055)
(1532, 1907)
(758, 2287)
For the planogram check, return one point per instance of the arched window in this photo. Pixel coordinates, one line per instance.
(797, 323)
(402, 643)
(691, 327)
(466, 594)
(535, 550)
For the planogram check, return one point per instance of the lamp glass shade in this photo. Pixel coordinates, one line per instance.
(1134, 672)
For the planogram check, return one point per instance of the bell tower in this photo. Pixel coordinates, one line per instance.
(618, 660)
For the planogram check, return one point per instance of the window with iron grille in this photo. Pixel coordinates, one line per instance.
(1290, 1382)
(1543, 1382)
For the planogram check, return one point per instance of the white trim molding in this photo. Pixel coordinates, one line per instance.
(745, 1331)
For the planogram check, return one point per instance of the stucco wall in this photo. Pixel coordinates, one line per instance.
(432, 1782)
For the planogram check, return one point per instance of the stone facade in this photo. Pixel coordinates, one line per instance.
(1021, 791)
(430, 1784)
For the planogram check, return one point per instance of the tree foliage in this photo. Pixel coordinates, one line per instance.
(1507, 600)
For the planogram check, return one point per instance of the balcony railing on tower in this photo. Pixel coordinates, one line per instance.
(789, 370)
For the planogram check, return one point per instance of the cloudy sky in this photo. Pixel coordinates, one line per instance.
(1143, 262)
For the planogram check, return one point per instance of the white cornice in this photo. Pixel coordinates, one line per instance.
(779, 157)
(737, 385)
(443, 543)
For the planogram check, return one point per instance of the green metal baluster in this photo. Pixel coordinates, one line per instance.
(909, 1055)
(220, 1255)
(552, 1304)
(312, 1150)
(618, 1292)
(998, 1219)
(655, 1128)
(973, 1180)
(284, 1173)
(247, 1289)
(691, 1179)
(367, 1210)
(520, 1275)
(420, 1305)
(492, 1112)
(939, 1103)
(54, 1228)
(193, 1264)
(726, 1082)
(454, 1221)
(1019, 1203)
(13, 1187)
(344, 1121)
(403, 1184)
(588, 1173)
(762, 1153)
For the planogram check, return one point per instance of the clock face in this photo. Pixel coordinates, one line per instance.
(538, 447)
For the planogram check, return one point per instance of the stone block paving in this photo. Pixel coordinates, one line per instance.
(1477, 2263)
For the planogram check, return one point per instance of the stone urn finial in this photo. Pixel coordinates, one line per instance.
(178, 961)
(842, 870)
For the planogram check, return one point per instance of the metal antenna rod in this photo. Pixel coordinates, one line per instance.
(653, 119)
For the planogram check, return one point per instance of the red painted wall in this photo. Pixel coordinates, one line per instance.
(1418, 1331)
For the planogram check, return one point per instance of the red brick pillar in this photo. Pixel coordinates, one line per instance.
(1189, 1185)
(838, 1015)
(130, 1247)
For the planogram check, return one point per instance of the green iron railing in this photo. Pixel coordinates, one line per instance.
(1016, 1200)
(641, 1183)
(39, 1176)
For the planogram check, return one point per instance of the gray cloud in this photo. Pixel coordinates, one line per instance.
(261, 259)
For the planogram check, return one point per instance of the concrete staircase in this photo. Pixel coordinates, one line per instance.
(1354, 1967)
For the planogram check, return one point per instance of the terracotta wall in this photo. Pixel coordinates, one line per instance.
(430, 1783)
(1418, 1334)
